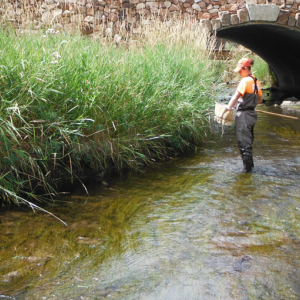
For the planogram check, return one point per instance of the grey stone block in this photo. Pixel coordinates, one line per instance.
(267, 12)
(206, 24)
(243, 15)
(216, 24)
(225, 18)
(234, 20)
(291, 21)
(283, 17)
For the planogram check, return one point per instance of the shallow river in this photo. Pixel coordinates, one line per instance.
(191, 228)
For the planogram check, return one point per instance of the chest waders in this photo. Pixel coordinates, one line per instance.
(245, 121)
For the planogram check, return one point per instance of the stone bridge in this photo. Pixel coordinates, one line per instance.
(270, 28)
(270, 32)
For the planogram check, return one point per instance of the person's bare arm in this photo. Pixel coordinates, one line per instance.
(233, 100)
(260, 99)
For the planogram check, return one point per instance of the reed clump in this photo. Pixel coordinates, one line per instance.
(70, 103)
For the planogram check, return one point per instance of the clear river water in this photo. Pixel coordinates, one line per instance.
(190, 228)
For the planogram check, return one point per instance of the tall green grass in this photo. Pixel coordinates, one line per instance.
(69, 103)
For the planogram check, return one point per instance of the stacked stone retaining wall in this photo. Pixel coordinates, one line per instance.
(95, 15)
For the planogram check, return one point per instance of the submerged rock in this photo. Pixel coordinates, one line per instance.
(11, 275)
(288, 102)
(87, 241)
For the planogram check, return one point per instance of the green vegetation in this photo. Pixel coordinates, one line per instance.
(262, 71)
(260, 68)
(69, 104)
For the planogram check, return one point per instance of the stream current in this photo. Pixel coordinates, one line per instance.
(191, 228)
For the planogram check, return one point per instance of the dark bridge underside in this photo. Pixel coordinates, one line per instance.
(278, 45)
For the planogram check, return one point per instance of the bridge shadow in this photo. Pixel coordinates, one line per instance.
(278, 45)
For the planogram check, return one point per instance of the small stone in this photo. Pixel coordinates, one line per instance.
(291, 21)
(141, 6)
(109, 32)
(284, 103)
(234, 20)
(283, 17)
(216, 24)
(196, 7)
(117, 38)
(173, 8)
(89, 19)
(202, 4)
(213, 11)
(243, 15)
(116, 4)
(8, 277)
(167, 4)
(225, 18)
(47, 17)
(32, 258)
(205, 16)
(87, 241)
(206, 24)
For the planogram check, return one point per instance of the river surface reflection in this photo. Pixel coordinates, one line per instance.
(192, 228)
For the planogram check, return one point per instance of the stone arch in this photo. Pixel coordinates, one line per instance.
(270, 32)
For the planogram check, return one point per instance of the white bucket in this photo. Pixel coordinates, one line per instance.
(223, 115)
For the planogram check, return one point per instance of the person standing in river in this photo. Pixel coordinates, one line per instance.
(247, 95)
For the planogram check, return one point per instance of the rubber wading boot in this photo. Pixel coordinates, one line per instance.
(247, 163)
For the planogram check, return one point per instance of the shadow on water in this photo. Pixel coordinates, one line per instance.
(192, 228)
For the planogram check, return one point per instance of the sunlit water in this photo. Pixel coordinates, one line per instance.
(191, 228)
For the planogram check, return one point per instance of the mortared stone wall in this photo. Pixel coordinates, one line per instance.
(90, 16)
